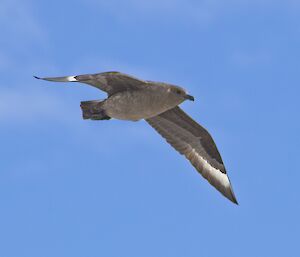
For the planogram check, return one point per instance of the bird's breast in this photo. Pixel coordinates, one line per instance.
(138, 104)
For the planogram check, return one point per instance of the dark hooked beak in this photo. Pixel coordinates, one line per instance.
(189, 97)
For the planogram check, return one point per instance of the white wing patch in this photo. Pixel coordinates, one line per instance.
(71, 78)
(211, 173)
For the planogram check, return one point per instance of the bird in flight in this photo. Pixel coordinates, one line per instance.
(130, 98)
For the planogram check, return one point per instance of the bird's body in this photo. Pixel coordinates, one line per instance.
(139, 104)
(133, 99)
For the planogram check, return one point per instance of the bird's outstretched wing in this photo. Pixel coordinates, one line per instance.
(110, 82)
(193, 141)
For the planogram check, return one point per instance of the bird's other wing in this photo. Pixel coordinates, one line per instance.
(111, 82)
(192, 140)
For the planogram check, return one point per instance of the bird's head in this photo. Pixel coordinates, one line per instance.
(180, 93)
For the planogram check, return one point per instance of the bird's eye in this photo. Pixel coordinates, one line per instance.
(178, 92)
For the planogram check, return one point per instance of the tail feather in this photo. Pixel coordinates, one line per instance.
(92, 110)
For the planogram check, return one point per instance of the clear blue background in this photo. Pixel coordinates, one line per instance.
(78, 188)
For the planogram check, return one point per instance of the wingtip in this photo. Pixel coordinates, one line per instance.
(232, 197)
(235, 201)
(36, 77)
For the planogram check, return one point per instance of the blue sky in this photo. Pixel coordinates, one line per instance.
(78, 188)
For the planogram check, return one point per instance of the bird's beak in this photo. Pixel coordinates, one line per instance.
(189, 97)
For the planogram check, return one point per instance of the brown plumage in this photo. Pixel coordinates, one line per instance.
(130, 98)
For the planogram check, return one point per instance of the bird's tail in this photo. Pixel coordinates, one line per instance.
(93, 110)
